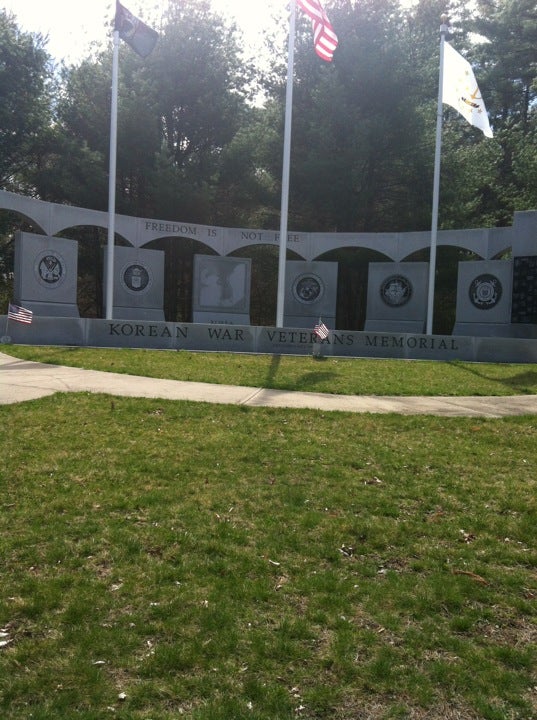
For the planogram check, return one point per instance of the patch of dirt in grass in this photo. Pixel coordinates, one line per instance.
(355, 710)
(513, 632)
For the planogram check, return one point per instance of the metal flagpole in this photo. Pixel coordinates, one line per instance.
(436, 182)
(284, 211)
(112, 182)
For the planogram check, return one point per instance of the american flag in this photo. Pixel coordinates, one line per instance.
(324, 37)
(20, 314)
(321, 330)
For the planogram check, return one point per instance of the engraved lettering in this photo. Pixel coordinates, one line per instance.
(251, 235)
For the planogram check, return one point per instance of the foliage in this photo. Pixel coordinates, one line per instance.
(358, 138)
(509, 28)
(190, 147)
(25, 84)
(499, 173)
(177, 110)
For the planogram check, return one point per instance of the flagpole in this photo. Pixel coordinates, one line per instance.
(284, 208)
(112, 182)
(436, 182)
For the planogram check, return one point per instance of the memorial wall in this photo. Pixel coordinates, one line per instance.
(255, 339)
(495, 297)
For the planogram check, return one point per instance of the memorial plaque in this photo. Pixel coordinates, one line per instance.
(484, 298)
(524, 301)
(397, 297)
(46, 271)
(221, 290)
(138, 283)
(310, 293)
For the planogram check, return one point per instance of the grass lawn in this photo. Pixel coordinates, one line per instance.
(167, 559)
(348, 376)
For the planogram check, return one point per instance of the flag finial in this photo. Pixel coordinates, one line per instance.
(444, 27)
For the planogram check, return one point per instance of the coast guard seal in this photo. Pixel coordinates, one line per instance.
(485, 291)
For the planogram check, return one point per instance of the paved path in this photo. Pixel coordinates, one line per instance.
(22, 380)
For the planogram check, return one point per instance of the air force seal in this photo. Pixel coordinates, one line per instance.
(135, 278)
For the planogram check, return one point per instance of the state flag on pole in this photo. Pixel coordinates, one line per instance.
(321, 330)
(20, 314)
(460, 90)
(136, 33)
(324, 38)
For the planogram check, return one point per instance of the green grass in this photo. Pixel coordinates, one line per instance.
(220, 562)
(348, 376)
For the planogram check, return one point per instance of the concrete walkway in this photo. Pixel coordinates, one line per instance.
(21, 380)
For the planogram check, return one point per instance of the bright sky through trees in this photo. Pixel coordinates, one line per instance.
(72, 25)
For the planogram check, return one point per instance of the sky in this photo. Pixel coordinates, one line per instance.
(72, 25)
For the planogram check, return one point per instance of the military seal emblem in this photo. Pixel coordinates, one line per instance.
(50, 269)
(135, 278)
(308, 288)
(396, 290)
(485, 291)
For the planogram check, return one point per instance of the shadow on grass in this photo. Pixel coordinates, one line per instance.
(273, 370)
(306, 381)
(524, 383)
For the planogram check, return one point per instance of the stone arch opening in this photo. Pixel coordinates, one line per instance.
(264, 287)
(178, 273)
(353, 269)
(92, 243)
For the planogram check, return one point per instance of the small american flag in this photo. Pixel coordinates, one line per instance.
(321, 330)
(324, 37)
(20, 314)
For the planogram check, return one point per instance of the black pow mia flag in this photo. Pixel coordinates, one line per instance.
(134, 32)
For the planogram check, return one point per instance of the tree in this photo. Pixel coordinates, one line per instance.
(198, 86)
(508, 55)
(25, 83)
(362, 142)
(508, 59)
(248, 191)
(178, 109)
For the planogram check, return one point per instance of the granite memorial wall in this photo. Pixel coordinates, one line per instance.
(495, 298)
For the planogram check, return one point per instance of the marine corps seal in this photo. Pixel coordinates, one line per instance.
(308, 288)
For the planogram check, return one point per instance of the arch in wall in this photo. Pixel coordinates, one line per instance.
(55, 218)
